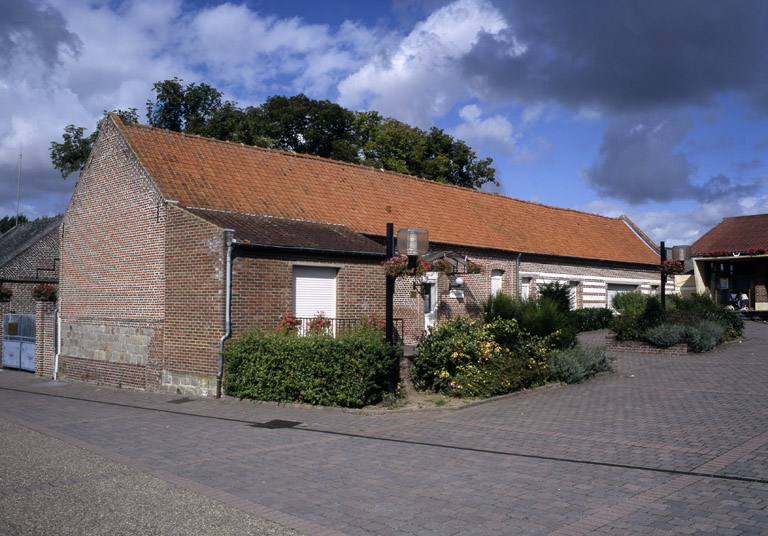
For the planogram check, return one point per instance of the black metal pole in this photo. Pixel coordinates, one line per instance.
(663, 278)
(389, 314)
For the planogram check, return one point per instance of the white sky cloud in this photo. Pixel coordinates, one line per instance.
(494, 132)
(421, 77)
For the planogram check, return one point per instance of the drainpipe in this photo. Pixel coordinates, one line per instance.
(57, 338)
(517, 272)
(227, 315)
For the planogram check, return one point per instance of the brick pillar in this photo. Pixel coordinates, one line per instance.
(4, 308)
(45, 347)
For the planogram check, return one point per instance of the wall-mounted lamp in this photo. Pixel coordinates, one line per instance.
(458, 283)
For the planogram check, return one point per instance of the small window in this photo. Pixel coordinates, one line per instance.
(496, 276)
(525, 288)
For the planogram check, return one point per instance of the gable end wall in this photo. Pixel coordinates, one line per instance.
(112, 271)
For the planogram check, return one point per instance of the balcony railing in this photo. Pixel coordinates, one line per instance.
(336, 326)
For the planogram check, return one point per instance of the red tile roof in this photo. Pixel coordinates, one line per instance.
(205, 173)
(740, 233)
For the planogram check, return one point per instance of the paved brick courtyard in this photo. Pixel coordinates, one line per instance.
(661, 446)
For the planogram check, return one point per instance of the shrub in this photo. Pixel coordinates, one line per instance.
(559, 294)
(691, 310)
(465, 358)
(501, 305)
(626, 327)
(351, 370)
(653, 314)
(592, 318)
(631, 303)
(572, 365)
(540, 317)
(704, 337)
(666, 335)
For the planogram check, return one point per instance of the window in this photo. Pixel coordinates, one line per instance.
(314, 291)
(525, 288)
(496, 276)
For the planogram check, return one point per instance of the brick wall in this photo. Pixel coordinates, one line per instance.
(4, 308)
(636, 347)
(45, 346)
(761, 285)
(112, 273)
(195, 265)
(262, 287)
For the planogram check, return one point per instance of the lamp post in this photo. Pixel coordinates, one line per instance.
(411, 242)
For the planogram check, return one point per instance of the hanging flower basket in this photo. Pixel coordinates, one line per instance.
(398, 267)
(44, 292)
(474, 268)
(5, 294)
(672, 267)
(443, 265)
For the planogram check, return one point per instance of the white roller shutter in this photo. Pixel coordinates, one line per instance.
(314, 291)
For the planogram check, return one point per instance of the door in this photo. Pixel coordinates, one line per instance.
(429, 287)
(19, 341)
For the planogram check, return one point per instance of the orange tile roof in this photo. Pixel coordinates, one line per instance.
(740, 233)
(206, 173)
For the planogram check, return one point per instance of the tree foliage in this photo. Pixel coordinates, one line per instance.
(298, 124)
(9, 222)
(70, 155)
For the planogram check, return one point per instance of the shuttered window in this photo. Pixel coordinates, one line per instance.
(314, 291)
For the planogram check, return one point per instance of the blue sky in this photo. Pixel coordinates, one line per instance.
(649, 108)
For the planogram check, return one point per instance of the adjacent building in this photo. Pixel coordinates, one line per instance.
(731, 259)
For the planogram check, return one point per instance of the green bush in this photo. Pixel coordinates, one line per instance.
(541, 317)
(705, 336)
(501, 305)
(666, 335)
(351, 370)
(559, 294)
(626, 327)
(592, 318)
(636, 314)
(653, 314)
(464, 358)
(691, 310)
(572, 365)
(632, 303)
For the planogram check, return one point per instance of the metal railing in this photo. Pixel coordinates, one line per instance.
(335, 326)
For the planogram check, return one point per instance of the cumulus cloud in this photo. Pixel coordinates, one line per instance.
(495, 132)
(65, 62)
(639, 159)
(624, 56)
(420, 78)
(678, 227)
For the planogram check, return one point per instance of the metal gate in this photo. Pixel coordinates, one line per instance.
(19, 341)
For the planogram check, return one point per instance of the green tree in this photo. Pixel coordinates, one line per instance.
(9, 222)
(185, 109)
(301, 125)
(70, 155)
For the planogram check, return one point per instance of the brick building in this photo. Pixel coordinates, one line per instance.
(162, 224)
(29, 255)
(732, 258)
